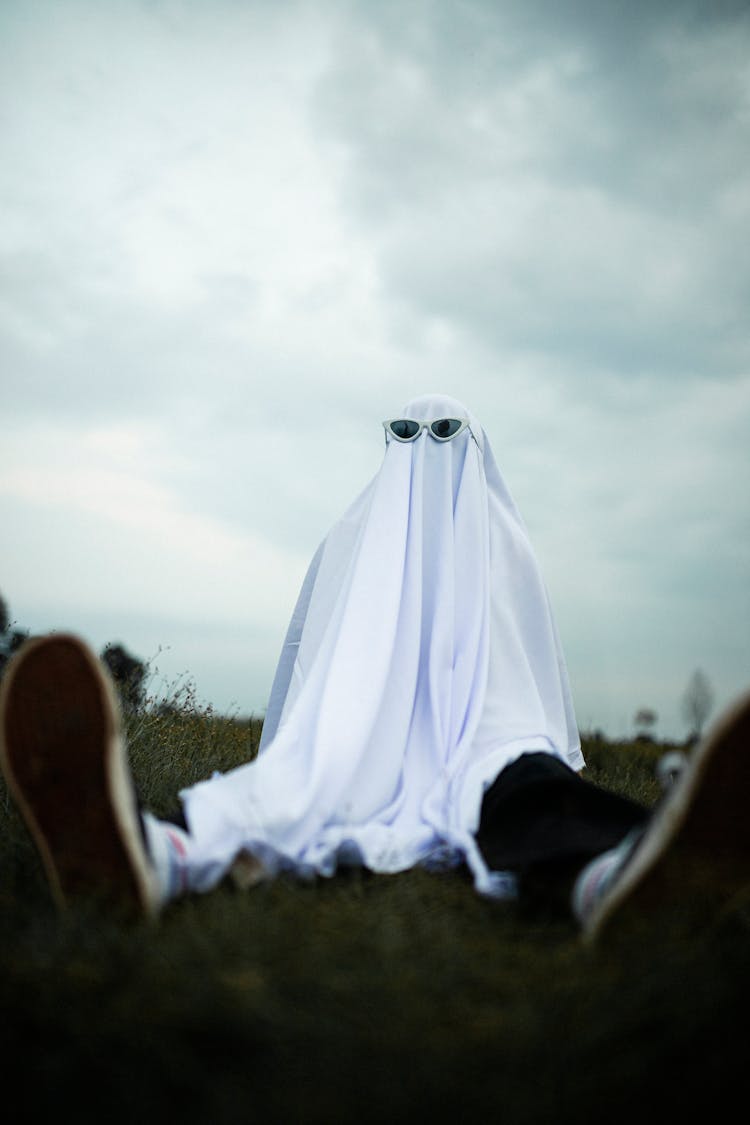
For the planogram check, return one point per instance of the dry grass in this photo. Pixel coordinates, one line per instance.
(355, 999)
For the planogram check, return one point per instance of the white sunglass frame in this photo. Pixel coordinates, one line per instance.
(465, 425)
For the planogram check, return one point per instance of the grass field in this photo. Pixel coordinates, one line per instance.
(357, 999)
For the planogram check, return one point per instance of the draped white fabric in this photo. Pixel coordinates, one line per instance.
(421, 659)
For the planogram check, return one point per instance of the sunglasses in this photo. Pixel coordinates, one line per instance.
(443, 429)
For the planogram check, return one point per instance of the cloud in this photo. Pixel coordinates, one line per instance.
(545, 200)
(235, 237)
(104, 485)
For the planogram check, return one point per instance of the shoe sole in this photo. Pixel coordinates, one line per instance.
(64, 762)
(694, 860)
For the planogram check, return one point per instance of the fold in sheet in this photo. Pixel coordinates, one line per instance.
(421, 659)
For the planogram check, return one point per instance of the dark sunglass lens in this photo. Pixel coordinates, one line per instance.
(446, 427)
(404, 428)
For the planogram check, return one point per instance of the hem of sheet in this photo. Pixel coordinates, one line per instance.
(217, 839)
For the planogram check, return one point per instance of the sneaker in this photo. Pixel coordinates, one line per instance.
(669, 769)
(694, 858)
(64, 761)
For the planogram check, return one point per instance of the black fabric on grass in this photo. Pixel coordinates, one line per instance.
(543, 822)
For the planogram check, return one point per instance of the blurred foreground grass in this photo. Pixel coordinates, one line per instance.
(361, 998)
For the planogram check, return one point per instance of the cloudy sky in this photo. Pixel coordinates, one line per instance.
(236, 235)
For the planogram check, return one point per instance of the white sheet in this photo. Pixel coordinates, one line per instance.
(421, 659)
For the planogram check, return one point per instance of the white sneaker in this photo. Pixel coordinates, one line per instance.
(670, 768)
(64, 760)
(694, 858)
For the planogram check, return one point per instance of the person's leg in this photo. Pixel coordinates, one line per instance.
(614, 865)
(65, 764)
(693, 861)
(542, 821)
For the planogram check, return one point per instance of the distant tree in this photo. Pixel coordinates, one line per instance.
(697, 702)
(10, 639)
(5, 649)
(128, 674)
(644, 720)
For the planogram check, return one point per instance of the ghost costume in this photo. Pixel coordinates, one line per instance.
(421, 660)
